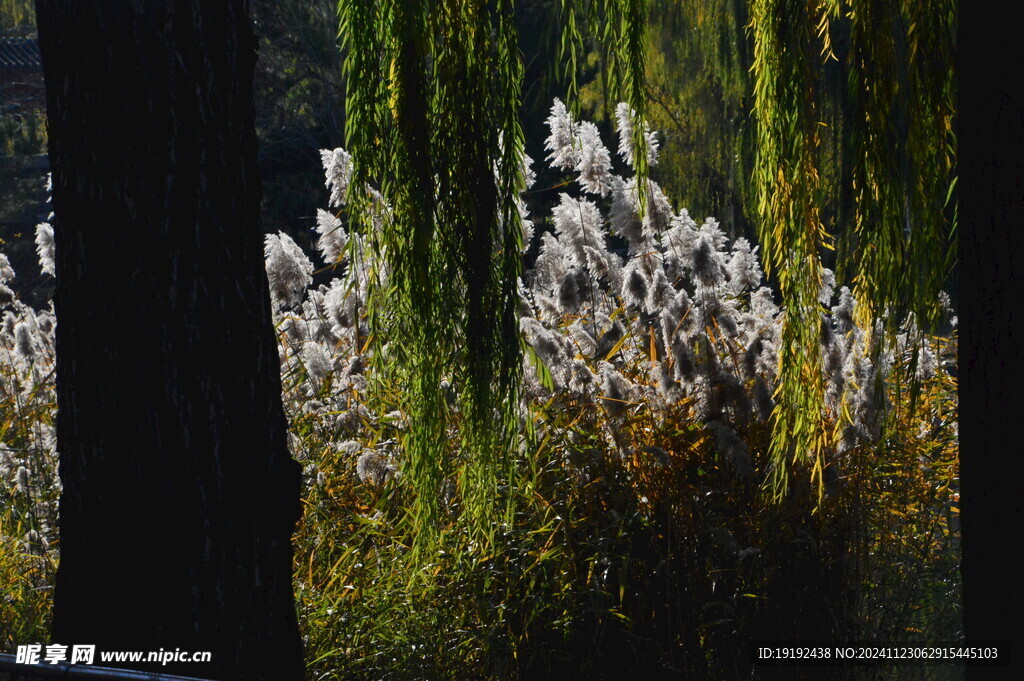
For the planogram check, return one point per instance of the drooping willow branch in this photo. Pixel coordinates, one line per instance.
(903, 152)
(791, 231)
(433, 102)
(619, 27)
(899, 160)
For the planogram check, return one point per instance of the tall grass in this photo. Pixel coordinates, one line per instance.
(29, 486)
(639, 538)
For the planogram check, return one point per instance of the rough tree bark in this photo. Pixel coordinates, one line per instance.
(179, 493)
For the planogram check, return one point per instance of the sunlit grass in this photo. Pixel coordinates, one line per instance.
(634, 533)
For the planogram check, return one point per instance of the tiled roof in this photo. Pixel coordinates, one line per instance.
(19, 55)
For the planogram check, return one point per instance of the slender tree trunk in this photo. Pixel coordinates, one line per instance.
(179, 495)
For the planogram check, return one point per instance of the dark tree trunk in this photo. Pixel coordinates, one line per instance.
(179, 493)
(991, 139)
